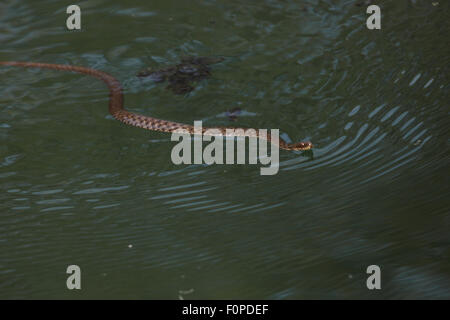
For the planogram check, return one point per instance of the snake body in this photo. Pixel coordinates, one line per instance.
(118, 111)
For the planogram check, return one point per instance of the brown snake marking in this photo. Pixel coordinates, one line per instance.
(117, 110)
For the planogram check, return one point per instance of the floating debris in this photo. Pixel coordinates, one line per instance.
(233, 113)
(182, 76)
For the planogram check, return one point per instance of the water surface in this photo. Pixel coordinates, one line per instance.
(78, 187)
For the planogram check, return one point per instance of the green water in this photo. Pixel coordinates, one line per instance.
(79, 188)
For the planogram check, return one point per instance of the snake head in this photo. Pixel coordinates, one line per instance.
(301, 146)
